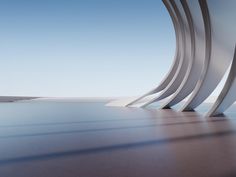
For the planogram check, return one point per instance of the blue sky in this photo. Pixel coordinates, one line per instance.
(84, 48)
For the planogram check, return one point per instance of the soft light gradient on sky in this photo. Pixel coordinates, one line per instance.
(84, 48)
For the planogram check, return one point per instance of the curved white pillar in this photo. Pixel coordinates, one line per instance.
(220, 41)
(227, 96)
(183, 66)
(185, 59)
(177, 59)
(196, 52)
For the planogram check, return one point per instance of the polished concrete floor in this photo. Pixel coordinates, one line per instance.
(88, 139)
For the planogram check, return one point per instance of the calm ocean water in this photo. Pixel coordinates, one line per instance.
(53, 111)
(71, 137)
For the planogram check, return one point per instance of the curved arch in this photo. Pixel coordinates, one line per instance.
(183, 67)
(174, 68)
(174, 82)
(202, 68)
(217, 58)
(196, 29)
(227, 96)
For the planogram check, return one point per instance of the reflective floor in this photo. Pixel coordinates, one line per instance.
(88, 139)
